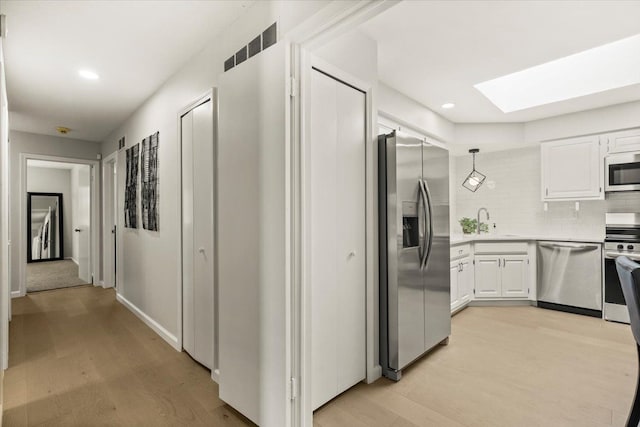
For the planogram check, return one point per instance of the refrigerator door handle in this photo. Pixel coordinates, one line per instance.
(422, 200)
(429, 221)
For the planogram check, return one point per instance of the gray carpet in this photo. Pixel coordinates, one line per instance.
(52, 275)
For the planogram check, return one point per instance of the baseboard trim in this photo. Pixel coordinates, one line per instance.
(157, 328)
(74, 260)
(16, 294)
(502, 303)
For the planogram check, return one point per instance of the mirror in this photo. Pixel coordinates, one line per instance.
(44, 222)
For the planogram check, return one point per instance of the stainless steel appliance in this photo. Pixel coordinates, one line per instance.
(622, 172)
(570, 277)
(414, 250)
(623, 238)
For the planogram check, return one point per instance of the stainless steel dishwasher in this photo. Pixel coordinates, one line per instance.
(570, 277)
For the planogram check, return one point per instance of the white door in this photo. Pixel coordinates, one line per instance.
(110, 219)
(487, 273)
(82, 222)
(337, 199)
(197, 234)
(514, 276)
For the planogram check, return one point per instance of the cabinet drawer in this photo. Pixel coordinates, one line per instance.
(460, 251)
(501, 248)
(623, 142)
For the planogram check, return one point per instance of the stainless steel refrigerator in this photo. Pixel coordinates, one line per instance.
(415, 305)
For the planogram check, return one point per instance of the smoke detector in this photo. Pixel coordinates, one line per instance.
(63, 130)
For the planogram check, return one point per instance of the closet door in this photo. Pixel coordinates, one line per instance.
(197, 214)
(337, 198)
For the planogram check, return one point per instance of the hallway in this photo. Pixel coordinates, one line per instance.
(78, 358)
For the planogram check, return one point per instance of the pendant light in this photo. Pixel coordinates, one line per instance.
(475, 178)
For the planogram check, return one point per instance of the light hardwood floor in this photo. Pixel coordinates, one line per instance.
(79, 358)
(505, 366)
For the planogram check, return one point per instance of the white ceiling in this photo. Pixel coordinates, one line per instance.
(133, 45)
(435, 51)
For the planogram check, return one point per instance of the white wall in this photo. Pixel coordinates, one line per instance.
(23, 142)
(148, 276)
(515, 204)
(48, 180)
(599, 120)
(411, 113)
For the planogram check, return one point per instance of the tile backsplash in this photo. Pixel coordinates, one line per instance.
(512, 195)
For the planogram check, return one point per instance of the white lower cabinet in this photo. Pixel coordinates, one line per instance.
(461, 282)
(501, 276)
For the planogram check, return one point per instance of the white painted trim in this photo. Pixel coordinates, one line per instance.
(95, 212)
(171, 339)
(74, 260)
(16, 294)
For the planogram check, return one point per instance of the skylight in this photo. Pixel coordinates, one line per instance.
(602, 68)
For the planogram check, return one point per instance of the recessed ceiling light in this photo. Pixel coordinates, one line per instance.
(448, 105)
(88, 74)
(611, 66)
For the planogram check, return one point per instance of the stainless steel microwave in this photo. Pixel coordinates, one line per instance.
(622, 172)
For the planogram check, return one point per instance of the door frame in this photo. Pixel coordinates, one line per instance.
(331, 22)
(210, 95)
(310, 62)
(94, 237)
(109, 204)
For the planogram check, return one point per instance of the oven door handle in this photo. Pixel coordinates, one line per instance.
(613, 255)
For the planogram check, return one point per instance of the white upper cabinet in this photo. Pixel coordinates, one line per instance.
(622, 142)
(572, 169)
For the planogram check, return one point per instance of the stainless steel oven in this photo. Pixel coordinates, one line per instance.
(623, 238)
(622, 172)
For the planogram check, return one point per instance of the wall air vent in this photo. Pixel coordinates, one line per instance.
(121, 143)
(269, 37)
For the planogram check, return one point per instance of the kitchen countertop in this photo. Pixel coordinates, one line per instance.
(458, 239)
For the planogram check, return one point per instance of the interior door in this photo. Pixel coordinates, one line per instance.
(337, 189)
(198, 307)
(83, 223)
(110, 218)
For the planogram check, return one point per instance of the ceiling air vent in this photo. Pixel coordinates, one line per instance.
(269, 37)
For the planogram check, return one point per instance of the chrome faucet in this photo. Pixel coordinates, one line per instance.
(480, 210)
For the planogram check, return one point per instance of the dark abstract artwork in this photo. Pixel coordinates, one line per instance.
(131, 188)
(150, 197)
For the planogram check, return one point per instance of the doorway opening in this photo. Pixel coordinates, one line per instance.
(58, 223)
(58, 218)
